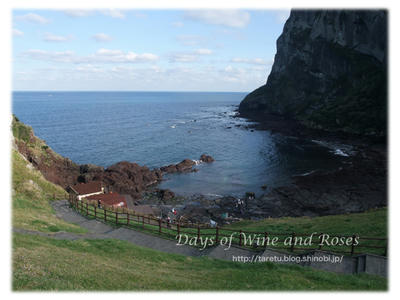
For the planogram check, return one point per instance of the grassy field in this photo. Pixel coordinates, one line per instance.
(47, 264)
(370, 223)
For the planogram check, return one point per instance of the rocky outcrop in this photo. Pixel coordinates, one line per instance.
(123, 177)
(55, 168)
(186, 165)
(206, 158)
(355, 187)
(329, 72)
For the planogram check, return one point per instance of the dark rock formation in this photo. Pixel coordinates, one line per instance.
(356, 187)
(123, 177)
(329, 72)
(184, 166)
(206, 158)
(166, 195)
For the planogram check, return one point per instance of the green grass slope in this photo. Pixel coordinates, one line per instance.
(31, 196)
(47, 264)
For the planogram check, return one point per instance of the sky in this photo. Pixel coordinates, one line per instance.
(144, 50)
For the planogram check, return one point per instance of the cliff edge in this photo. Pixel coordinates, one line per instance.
(329, 72)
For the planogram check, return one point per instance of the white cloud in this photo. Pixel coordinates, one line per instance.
(63, 56)
(113, 13)
(78, 13)
(102, 37)
(32, 18)
(49, 37)
(100, 56)
(183, 58)
(252, 61)
(191, 56)
(230, 18)
(17, 32)
(91, 76)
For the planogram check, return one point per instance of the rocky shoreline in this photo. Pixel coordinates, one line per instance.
(358, 185)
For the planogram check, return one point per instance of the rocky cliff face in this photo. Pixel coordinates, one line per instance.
(329, 72)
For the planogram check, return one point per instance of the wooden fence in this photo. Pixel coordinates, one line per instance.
(129, 218)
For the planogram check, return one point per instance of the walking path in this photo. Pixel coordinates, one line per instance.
(97, 230)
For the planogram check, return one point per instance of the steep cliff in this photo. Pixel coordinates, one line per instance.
(329, 72)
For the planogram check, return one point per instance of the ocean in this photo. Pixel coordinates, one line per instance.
(160, 128)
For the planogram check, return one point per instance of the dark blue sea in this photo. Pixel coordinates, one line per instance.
(161, 128)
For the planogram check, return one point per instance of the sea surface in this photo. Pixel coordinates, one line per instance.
(160, 128)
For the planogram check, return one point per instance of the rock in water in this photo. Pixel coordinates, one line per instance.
(206, 158)
(329, 72)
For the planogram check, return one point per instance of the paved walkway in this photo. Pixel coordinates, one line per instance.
(97, 229)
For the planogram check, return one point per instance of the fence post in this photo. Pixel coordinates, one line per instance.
(143, 222)
(127, 218)
(95, 212)
(292, 243)
(105, 214)
(198, 232)
(87, 208)
(159, 225)
(216, 235)
(352, 244)
(240, 237)
(116, 218)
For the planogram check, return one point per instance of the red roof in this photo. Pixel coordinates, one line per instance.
(108, 199)
(87, 188)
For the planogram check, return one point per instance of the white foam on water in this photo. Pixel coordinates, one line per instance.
(340, 152)
(197, 162)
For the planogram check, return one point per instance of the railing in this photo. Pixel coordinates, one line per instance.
(129, 218)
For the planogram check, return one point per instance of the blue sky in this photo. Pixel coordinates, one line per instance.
(146, 50)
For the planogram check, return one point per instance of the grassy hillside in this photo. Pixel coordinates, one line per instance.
(372, 223)
(47, 264)
(31, 198)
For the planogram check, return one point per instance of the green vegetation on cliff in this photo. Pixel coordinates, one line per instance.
(31, 196)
